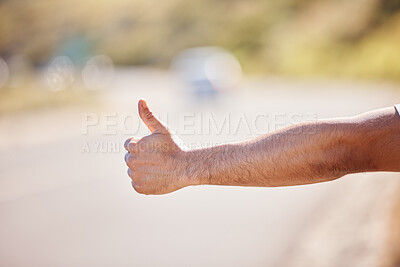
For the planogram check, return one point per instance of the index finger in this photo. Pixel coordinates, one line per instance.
(129, 143)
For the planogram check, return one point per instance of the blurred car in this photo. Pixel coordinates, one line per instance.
(208, 70)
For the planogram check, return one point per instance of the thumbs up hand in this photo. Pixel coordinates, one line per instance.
(157, 165)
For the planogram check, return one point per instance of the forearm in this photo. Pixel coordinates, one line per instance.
(302, 154)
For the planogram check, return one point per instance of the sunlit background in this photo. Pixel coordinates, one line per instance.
(71, 73)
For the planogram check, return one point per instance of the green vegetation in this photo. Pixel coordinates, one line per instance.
(28, 97)
(359, 38)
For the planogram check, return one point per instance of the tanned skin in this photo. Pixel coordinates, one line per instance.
(305, 153)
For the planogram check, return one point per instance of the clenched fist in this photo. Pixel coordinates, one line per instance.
(157, 165)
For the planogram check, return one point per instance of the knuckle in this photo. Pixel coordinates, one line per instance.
(139, 188)
(132, 146)
(127, 156)
(136, 176)
(127, 141)
(133, 184)
(126, 144)
(132, 165)
(148, 114)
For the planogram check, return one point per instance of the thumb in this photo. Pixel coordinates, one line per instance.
(154, 125)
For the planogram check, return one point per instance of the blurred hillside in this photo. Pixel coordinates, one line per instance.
(358, 38)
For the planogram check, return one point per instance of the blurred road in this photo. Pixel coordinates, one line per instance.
(65, 198)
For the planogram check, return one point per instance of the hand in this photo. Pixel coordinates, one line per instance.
(157, 165)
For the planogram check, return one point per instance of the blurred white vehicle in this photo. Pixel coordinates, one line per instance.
(208, 70)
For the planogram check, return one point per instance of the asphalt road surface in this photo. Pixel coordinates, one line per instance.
(66, 200)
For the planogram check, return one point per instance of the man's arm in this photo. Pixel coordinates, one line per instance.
(306, 153)
(301, 154)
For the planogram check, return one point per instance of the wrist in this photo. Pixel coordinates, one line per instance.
(210, 165)
(195, 169)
